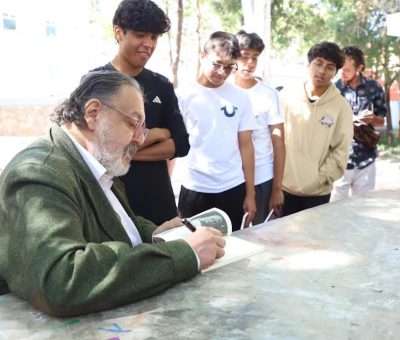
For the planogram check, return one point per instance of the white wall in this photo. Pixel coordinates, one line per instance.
(35, 68)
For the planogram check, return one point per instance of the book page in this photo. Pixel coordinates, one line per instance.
(172, 234)
(235, 250)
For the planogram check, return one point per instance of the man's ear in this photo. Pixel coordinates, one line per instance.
(360, 68)
(92, 109)
(118, 33)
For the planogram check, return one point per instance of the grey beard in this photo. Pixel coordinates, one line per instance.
(113, 162)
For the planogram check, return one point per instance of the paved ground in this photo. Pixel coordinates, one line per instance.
(388, 174)
(388, 169)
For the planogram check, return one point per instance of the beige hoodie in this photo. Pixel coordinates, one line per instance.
(318, 137)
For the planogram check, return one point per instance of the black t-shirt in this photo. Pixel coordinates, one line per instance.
(147, 183)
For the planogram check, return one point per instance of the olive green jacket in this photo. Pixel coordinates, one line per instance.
(62, 246)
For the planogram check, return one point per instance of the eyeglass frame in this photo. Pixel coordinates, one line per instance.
(136, 127)
(227, 69)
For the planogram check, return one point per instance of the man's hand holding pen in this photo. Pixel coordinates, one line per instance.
(210, 252)
(208, 244)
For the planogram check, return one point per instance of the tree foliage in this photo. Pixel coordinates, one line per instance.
(299, 23)
(230, 13)
(295, 22)
(365, 25)
(346, 22)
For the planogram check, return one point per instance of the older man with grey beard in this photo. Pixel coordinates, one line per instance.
(69, 242)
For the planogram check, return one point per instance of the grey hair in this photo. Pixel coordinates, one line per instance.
(101, 85)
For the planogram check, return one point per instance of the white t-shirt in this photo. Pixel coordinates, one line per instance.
(213, 119)
(267, 111)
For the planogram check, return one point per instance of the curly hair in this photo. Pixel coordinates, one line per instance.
(250, 41)
(327, 50)
(224, 42)
(354, 53)
(102, 85)
(141, 16)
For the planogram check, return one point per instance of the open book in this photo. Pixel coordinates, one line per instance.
(235, 249)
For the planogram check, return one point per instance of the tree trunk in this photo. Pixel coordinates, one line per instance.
(175, 64)
(389, 126)
(169, 34)
(198, 26)
(257, 18)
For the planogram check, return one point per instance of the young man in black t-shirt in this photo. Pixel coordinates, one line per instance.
(137, 26)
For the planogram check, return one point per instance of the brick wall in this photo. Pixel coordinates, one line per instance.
(24, 120)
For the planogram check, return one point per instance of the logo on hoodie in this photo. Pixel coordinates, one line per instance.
(327, 121)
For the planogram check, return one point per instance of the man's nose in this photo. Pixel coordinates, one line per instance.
(322, 69)
(251, 61)
(137, 138)
(221, 70)
(148, 42)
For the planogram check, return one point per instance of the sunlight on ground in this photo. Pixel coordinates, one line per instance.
(390, 215)
(321, 259)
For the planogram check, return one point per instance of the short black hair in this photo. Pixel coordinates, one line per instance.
(250, 40)
(141, 16)
(355, 53)
(224, 42)
(327, 50)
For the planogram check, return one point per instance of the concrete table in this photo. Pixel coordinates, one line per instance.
(331, 272)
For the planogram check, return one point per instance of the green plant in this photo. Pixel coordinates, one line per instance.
(389, 152)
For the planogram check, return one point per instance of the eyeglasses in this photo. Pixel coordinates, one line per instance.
(138, 127)
(227, 68)
(320, 67)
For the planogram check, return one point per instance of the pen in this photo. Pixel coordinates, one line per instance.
(188, 225)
